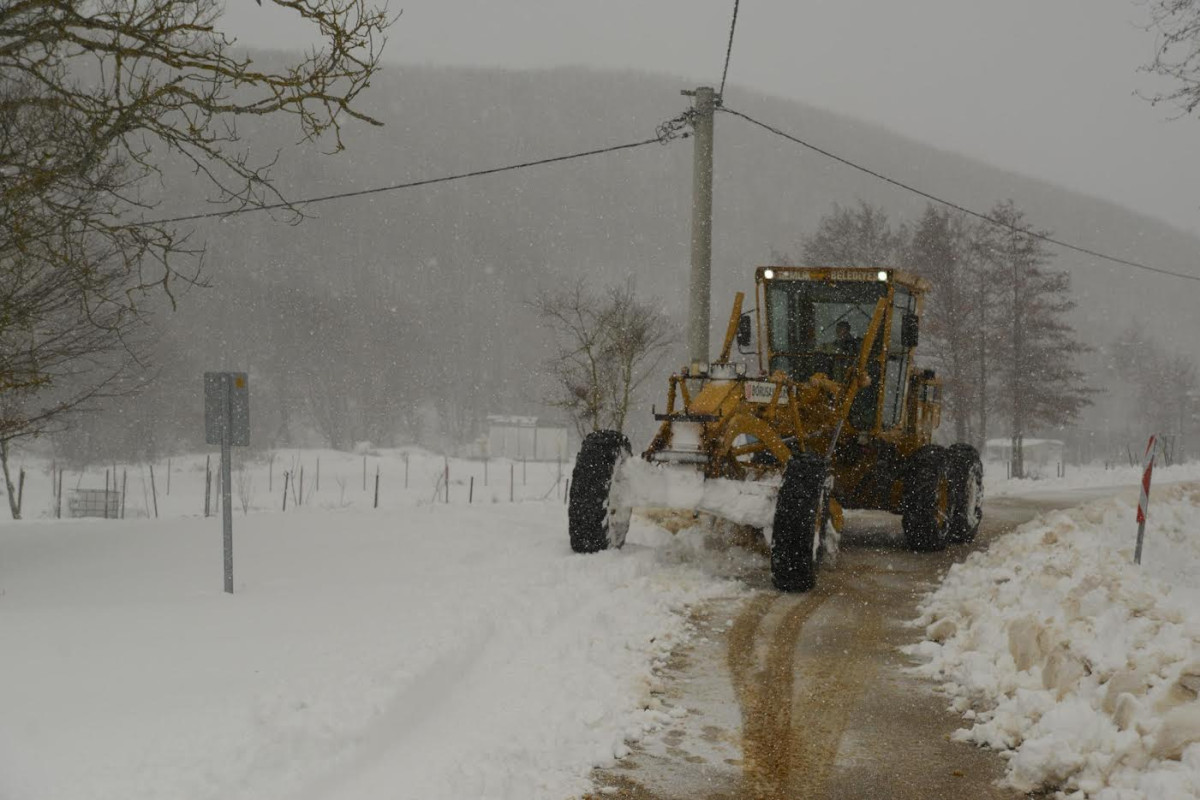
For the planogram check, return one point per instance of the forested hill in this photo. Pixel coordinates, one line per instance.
(415, 299)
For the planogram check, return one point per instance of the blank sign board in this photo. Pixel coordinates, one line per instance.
(227, 397)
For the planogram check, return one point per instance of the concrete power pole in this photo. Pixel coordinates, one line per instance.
(699, 287)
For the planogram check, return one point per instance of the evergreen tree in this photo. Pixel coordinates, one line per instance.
(1037, 383)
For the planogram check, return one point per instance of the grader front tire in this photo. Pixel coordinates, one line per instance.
(594, 523)
(926, 505)
(800, 513)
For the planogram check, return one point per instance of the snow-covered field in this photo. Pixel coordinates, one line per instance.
(330, 479)
(421, 650)
(1081, 666)
(1090, 477)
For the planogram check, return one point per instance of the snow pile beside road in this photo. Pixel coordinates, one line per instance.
(433, 652)
(1080, 665)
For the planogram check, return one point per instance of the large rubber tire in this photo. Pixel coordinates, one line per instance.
(925, 507)
(965, 471)
(801, 510)
(593, 523)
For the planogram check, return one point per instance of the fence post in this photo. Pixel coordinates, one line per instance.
(58, 495)
(106, 494)
(168, 477)
(153, 490)
(286, 475)
(300, 496)
(446, 475)
(207, 483)
(376, 486)
(567, 491)
(471, 492)
(124, 483)
(21, 491)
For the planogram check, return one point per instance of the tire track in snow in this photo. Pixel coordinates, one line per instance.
(402, 717)
(793, 694)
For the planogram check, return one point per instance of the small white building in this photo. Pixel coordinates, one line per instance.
(526, 438)
(1035, 452)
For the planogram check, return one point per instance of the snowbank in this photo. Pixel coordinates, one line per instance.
(1081, 666)
(428, 651)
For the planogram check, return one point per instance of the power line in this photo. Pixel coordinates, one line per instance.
(665, 134)
(729, 49)
(956, 206)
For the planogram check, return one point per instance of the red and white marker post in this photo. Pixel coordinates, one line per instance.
(1144, 499)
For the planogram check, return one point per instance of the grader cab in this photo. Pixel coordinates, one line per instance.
(829, 412)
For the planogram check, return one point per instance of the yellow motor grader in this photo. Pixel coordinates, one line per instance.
(828, 412)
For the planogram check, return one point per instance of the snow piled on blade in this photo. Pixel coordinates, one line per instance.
(644, 485)
(438, 651)
(1080, 665)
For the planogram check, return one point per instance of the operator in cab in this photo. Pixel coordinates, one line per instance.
(844, 342)
(844, 348)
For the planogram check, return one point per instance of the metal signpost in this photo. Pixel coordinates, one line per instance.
(227, 423)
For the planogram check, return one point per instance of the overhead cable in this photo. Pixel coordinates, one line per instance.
(729, 49)
(956, 206)
(666, 133)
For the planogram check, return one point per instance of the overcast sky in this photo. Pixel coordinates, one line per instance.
(1044, 87)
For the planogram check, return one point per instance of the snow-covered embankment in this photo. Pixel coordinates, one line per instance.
(1081, 666)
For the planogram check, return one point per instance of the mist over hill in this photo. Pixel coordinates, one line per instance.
(403, 315)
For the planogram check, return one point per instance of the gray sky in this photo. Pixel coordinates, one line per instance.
(1044, 87)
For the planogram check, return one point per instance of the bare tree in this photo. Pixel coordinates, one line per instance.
(1177, 51)
(638, 335)
(855, 237)
(245, 488)
(94, 98)
(605, 348)
(943, 251)
(1165, 385)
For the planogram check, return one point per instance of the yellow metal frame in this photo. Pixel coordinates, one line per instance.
(741, 438)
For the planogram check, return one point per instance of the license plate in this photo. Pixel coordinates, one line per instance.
(762, 392)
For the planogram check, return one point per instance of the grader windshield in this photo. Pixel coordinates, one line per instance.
(817, 326)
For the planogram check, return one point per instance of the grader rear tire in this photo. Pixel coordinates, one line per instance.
(800, 514)
(593, 522)
(925, 507)
(966, 492)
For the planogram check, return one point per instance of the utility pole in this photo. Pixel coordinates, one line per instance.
(699, 287)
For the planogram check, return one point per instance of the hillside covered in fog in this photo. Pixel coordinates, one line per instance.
(403, 315)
